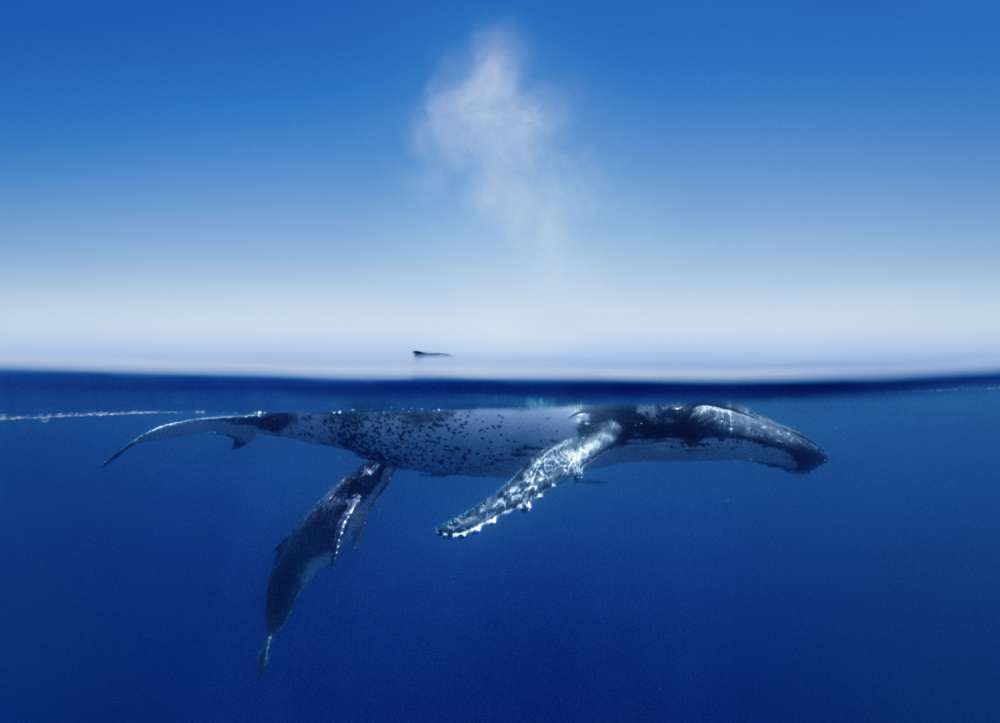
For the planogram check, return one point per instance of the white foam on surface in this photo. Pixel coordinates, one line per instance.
(48, 416)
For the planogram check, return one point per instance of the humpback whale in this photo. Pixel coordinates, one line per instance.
(314, 543)
(535, 448)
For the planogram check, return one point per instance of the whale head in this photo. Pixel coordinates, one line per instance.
(758, 438)
(719, 431)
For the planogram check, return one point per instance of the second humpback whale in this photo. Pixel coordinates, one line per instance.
(536, 448)
(314, 543)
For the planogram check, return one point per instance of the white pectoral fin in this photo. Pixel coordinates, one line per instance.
(240, 429)
(378, 476)
(350, 502)
(565, 459)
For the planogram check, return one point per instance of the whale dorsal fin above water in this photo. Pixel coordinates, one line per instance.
(565, 459)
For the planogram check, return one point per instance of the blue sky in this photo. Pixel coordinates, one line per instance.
(310, 188)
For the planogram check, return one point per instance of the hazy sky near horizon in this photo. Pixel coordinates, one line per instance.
(188, 186)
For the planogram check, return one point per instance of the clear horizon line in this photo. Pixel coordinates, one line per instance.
(444, 370)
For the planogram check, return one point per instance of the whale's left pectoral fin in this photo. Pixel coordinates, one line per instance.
(350, 501)
(356, 521)
(565, 459)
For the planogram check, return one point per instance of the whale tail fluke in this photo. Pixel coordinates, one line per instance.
(264, 655)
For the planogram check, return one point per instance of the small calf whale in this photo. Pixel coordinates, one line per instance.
(314, 543)
(535, 448)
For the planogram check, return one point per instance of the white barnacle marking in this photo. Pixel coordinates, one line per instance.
(352, 504)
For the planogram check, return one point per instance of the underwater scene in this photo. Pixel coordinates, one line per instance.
(710, 552)
(546, 362)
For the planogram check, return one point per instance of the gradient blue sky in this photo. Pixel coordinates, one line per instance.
(316, 187)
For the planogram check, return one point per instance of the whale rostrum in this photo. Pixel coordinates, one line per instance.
(535, 448)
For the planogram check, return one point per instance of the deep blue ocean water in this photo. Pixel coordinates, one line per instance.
(719, 591)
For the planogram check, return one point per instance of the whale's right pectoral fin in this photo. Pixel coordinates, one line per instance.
(565, 459)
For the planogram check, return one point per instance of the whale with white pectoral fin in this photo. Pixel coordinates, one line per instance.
(536, 448)
(314, 543)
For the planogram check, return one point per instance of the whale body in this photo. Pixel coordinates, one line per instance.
(315, 542)
(496, 442)
(535, 448)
